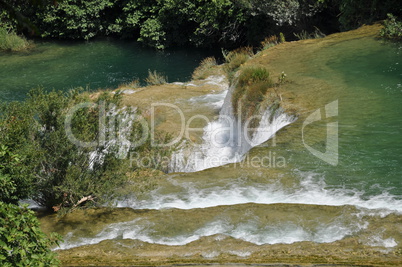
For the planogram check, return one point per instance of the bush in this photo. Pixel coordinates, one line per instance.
(43, 163)
(22, 243)
(354, 13)
(269, 42)
(252, 75)
(204, 69)
(9, 41)
(272, 40)
(392, 28)
(155, 78)
(55, 170)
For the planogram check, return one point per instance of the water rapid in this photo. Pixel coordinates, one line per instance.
(227, 139)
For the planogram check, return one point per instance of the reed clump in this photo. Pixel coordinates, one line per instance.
(235, 59)
(272, 40)
(9, 41)
(204, 69)
(304, 35)
(134, 84)
(155, 78)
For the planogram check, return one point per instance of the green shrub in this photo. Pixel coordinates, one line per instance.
(39, 160)
(252, 75)
(282, 37)
(56, 169)
(392, 28)
(204, 69)
(252, 85)
(22, 243)
(155, 78)
(9, 41)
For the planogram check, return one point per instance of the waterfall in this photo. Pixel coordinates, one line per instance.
(228, 139)
(116, 130)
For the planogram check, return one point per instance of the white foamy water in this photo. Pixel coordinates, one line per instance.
(214, 100)
(308, 191)
(227, 139)
(249, 230)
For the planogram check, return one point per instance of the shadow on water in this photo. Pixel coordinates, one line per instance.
(99, 64)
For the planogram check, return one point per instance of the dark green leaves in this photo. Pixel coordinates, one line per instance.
(22, 243)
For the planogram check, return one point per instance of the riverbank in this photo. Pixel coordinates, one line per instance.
(335, 231)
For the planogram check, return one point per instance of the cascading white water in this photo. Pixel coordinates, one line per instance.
(116, 131)
(228, 139)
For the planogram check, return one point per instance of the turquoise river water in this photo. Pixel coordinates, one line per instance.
(98, 64)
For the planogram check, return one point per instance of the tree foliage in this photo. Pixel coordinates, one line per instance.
(392, 28)
(284, 11)
(354, 13)
(75, 18)
(164, 23)
(22, 243)
(65, 149)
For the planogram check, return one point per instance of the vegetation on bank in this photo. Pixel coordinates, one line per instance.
(205, 69)
(22, 243)
(66, 150)
(167, 23)
(155, 78)
(9, 41)
(392, 28)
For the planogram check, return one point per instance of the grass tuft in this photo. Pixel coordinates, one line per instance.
(235, 59)
(155, 78)
(132, 85)
(204, 69)
(304, 35)
(9, 41)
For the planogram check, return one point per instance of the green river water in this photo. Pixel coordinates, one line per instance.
(97, 64)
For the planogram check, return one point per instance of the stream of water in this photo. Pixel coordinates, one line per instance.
(245, 202)
(293, 195)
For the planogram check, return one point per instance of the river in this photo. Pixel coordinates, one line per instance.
(100, 64)
(328, 191)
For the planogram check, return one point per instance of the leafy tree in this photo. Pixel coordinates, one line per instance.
(14, 159)
(65, 150)
(164, 23)
(358, 12)
(51, 169)
(22, 243)
(392, 28)
(284, 11)
(75, 19)
(152, 33)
